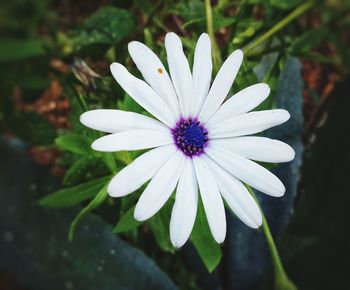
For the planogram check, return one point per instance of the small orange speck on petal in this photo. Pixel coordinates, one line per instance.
(160, 70)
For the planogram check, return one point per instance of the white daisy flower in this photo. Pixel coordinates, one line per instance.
(200, 141)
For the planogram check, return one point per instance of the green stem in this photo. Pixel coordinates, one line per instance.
(289, 18)
(217, 60)
(82, 102)
(282, 282)
(269, 50)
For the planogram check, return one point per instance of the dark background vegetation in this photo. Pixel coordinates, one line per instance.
(54, 64)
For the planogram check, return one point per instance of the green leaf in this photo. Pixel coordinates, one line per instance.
(208, 250)
(145, 6)
(128, 104)
(127, 222)
(124, 156)
(78, 108)
(32, 128)
(191, 10)
(159, 225)
(245, 77)
(97, 201)
(108, 25)
(285, 4)
(75, 143)
(193, 22)
(14, 49)
(308, 41)
(67, 159)
(85, 169)
(194, 13)
(246, 29)
(221, 21)
(73, 195)
(109, 160)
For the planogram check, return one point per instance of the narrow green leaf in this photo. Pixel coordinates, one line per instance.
(75, 143)
(208, 250)
(73, 195)
(85, 169)
(309, 40)
(124, 156)
(109, 160)
(78, 108)
(97, 201)
(16, 49)
(127, 222)
(159, 225)
(221, 22)
(193, 21)
(285, 4)
(246, 29)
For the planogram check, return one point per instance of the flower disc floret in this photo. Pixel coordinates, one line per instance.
(190, 136)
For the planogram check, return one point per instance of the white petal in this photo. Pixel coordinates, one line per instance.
(113, 121)
(242, 102)
(247, 171)
(143, 94)
(155, 74)
(202, 69)
(212, 201)
(236, 195)
(180, 71)
(257, 148)
(221, 85)
(249, 123)
(184, 210)
(132, 140)
(160, 188)
(142, 169)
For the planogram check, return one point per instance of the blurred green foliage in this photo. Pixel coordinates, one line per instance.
(32, 127)
(108, 26)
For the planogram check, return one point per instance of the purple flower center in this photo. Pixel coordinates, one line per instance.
(190, 136)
